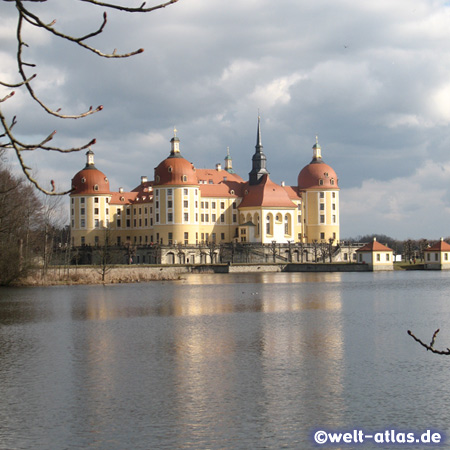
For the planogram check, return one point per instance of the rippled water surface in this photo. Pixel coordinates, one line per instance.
(222, 361)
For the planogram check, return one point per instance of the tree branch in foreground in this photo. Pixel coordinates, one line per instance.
(26, 17)
(431, 345)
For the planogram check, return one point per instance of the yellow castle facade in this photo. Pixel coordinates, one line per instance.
(184, 205)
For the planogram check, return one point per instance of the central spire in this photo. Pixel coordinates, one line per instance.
(259, 159)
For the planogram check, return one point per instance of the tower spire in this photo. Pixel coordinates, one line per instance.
(259, 158)
(175, 144)
(229, 162)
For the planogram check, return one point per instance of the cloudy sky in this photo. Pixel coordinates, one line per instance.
(370, 78)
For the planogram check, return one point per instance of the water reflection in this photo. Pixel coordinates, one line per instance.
(254, 363)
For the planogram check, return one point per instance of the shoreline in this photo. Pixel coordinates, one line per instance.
(90, 275)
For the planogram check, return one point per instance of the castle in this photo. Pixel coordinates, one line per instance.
(188, 207)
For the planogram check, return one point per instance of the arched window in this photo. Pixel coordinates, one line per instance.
(286, 224)
(268, 228)
(169, 169)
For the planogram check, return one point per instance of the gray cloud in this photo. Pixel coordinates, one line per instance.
(370, 78)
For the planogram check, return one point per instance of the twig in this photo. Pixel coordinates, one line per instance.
(430, 347)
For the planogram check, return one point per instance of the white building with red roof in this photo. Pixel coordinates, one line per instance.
(377, 256)
(437, 257)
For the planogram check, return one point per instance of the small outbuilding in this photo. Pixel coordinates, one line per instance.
(377, 256)
(437, 257)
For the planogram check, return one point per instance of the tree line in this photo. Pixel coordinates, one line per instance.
(30, 226)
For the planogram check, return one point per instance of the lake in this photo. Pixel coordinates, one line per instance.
(251, 361)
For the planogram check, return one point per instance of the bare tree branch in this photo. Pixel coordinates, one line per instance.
(24, 15)
(430, 346)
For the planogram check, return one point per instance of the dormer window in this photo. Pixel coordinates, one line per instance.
(321, 182)
(332, 181)
(169, 169)
(83, 180)
(184, 178)
(96, 187)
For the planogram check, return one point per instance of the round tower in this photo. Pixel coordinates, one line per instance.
(318, 185)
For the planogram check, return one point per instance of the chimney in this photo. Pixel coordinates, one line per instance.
(121, 190)
(218, 167)
(143, 179)
(282, 183)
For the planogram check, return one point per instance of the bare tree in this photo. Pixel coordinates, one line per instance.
(26, 17)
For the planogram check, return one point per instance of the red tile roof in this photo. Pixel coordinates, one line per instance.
(266, 193)
(440, 246)
(374, 246)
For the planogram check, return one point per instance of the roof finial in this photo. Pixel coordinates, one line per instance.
(174, 132)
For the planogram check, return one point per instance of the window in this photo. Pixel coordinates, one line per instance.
(184, 178)
(83, 223)
(222, 236)
(186, 238)
(322, 218)
(157, 193)
(118, 223)
(213, 217)
(378, 257)
(107, 211)
(128, 223)
(202, 204)
(322, 195)
(169, 203)
(286, 224)
(82, 200)
(333, 206)
(186, 204)
(169, 191)
(446, 256)
(268, 225)
(234, 218)
(322, 236)
(82, 211)
(95, 199)
(206, 217)
(213, 205)
(333, 194)
(332, 181)
(234, 206)
(299, 219)
(118, 240)
(186, 217)
(333, 218)
(222, 205)
(83, 240)
(140, 222)
(134, 223)
(196, 203)
(140, 210)
(206, 205)
(185, 191)
(96, 211)
(73, 200)
(196, 217)
(96, 241)
(118, 212)
(387, 256)
(322, 206)
(202, 217)
(96, 223)
(96, 187)
(169, 217)
(157, 205)
(320, 182)
(170, 238)
(222, 218)
(145, 222)
(128, 211)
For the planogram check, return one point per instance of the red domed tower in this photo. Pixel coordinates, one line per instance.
(318, 185)
(176, 198)
(89, 204)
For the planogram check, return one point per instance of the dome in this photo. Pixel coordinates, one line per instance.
(317, 175)
(175, 170)
(90, 180)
